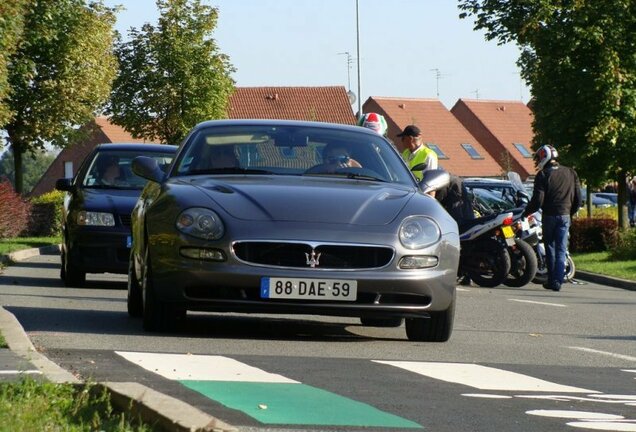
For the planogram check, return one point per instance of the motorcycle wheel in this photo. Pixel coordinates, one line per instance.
(494, 265)
(570, 268)
(541, 276)
(523, 265)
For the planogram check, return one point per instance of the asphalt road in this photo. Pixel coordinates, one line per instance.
(522, 359)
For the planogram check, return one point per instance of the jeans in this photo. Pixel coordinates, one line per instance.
(555, 238)
(631, 212)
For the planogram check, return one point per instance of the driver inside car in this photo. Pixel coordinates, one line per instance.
(336, 156)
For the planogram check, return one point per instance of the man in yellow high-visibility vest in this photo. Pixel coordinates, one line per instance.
(415, 152)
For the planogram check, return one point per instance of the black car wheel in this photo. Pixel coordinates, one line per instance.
(156, 314)
(381, 322)
(134, 298)
(437, 328)
(72, 275)
(523, 265)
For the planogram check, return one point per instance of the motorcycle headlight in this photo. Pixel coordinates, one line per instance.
(200, 222)
(417, 232)
(89, 218)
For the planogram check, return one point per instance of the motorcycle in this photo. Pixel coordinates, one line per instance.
(532, 233)
(524, 263)
(484, 256)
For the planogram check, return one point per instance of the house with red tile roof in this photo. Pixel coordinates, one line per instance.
(322, 104)
(503, 128)
(458, 151)
(67, 162)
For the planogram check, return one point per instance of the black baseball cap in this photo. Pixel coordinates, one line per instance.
(410, 130)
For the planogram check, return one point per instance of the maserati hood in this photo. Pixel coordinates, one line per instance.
(306, 199)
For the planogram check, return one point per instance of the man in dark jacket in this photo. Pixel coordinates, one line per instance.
(557, 192)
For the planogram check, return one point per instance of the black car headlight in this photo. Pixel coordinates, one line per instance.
(200, 222)
(417, 232)
(89, 218)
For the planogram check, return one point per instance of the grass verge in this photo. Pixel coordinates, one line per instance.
(14, 244)
(600, 263)
(29, 405)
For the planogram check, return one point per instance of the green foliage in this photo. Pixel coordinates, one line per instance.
(46, 214)
(32, 168)
(625, 246)
(11, 25)
(578, 58)
(171, 76)
(29, 405)
(60, 74)
(602, 263)
(13, 244)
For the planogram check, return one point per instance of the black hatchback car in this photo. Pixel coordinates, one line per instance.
(96, 235)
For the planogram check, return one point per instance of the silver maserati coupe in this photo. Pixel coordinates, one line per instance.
(292, 217)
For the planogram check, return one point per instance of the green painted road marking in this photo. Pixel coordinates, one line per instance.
(299, 404)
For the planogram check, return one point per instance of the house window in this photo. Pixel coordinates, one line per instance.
(68, 169)
(472, 152)
(436, 149)
(523, 150)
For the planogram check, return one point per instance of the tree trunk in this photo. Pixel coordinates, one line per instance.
(588, 201)
(622, 199)
(18, 151)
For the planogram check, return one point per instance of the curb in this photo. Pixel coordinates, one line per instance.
(153, 407)
(606, 280)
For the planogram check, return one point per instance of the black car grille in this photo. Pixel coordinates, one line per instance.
(125, 219)
(297, 255)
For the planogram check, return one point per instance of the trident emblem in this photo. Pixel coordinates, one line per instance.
(312, 260)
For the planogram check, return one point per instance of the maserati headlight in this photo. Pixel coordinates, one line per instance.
(200, 222)
(95, 218)
(417, 232)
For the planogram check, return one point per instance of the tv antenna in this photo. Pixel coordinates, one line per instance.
(476, 93)
(349, 63)
(438, 76)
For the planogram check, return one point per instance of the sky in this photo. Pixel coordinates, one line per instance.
(408, 48)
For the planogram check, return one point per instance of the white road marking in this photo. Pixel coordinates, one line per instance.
(539, 303)
(610, 354)
(568, 398)
(18, 372)
(201, 367)
(611, 396)
(605, 426)
(486, 396)
(581, 415)
(483, 377)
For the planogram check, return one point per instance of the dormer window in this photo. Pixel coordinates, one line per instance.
(472, 152)
(523, 150)
(437, 150)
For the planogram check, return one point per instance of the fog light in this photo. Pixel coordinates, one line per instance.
(203, 254)
(418, 262)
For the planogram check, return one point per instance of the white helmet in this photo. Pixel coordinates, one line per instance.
(544, 155)
(374, 121)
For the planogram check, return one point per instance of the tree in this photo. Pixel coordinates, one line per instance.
(33, 167)
(11, 26)
(172, 76)
(578, 58)
(60, 74)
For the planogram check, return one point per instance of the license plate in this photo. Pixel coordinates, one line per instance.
(507, 231)
(309, 289)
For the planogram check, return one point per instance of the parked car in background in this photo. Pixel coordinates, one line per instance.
(96, 218)
(600, 199)
(290, 217)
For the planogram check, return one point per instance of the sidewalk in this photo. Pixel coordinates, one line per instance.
(21, 358)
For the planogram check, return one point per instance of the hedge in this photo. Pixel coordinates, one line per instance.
(14, 211)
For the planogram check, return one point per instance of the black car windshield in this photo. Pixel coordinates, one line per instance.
(291, 150)
(111, 169)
